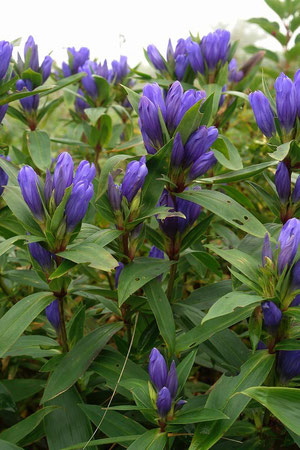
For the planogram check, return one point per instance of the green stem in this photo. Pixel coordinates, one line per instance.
(173, 271)
(63, 332)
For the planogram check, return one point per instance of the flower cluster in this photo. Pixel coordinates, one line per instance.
(203, 57)
(31, 60)
(76, 59)
(55, 190)
(287, 106)
(172, 110)
(165, 383)
(283, 265)
(5, 55)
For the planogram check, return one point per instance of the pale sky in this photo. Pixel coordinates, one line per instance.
(111, 28)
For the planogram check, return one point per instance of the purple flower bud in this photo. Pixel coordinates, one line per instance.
(28, 181)
(222, 98)
(296, 276)
(158, 370)
(134, 178)
(149, 119)
(296, 191)
(173, 103)
(63, 176)
(85, 170)
(88, 82)
(3, 176)
(177, 154)
(119, 269)
(52, 313)
(114, 195)
(77, 58)
(288, 364)
(78, 203)
(48, 188)
(156, 58)
(190, 209)
(80, 103)
(147, 143)
(233, 74)
(154, 93)
(266, 250)
(289, 240)
(164, 402)
(156, 253)
(181, 63)
(297, 89)
(41, 255)
(263, 113)
(172, 380)
(285, 101)
(29, 103)
(3, 110)
(170, 52)
(215, 48)
(46, 68)
(202, 165)
(283, 182)
(296, 301)
(179, 405)
(5, 54)
(261, 346)
(31, 46)
(66, 70)
(120, 69)
(195, 56)
(198, 143)
(188, 100)
(272, 315)
(104, 72)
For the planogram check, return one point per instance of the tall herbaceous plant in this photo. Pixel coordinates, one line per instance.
(150, 244)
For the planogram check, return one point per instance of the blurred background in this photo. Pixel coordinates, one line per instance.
(117, 27)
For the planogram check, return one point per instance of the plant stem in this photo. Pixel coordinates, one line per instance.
(63, 332)
(173, 271)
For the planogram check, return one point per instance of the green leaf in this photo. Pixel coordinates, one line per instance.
(105, 129)
(21, 389)
(196, 415)
(184, 368)
(283, 402)
(281, 152)
(238, 175)
(190, 122)
(229, 303)
(19, 317)
(253, 373)
(227, 154)
(17, 432)
(39, 149)
(8, 446)
(108, 167)
(151, 440)
(228, 209)
(104, 441)
(133, 98)
(252, 49)
(62, 269)
(92, 254)
(137, 273)
(67, 425)
(75, 363)
(34, 347)
(288, 344)
(162, 311)
(202, 332)
(270, 28)
(94, 114)
(13, 197)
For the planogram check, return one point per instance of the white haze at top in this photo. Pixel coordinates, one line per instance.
(112, 28)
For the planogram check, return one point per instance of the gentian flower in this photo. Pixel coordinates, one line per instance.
(266, 251)
(288, 364)
(164, 402)
(52, 313)
(158, 370)
(3, 110)
(286, 101)
(172, 380)
(3, 175)
(195, 56)
(80, 103)
(272, 315)
(28, 181)
(31, 57)
(156, 253)
(120, 69)
(78, 202)
(297, 90)
(296, 191)
(234, 75)
(119, 269)
(289, 240)
(30, 103)
(5, 55)
(41, 255)
(215, 48)
(263, 113)
(63, 175)
(283, 182)
(156, 58)
(76, 59)
(114, 195)
(134, 178)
